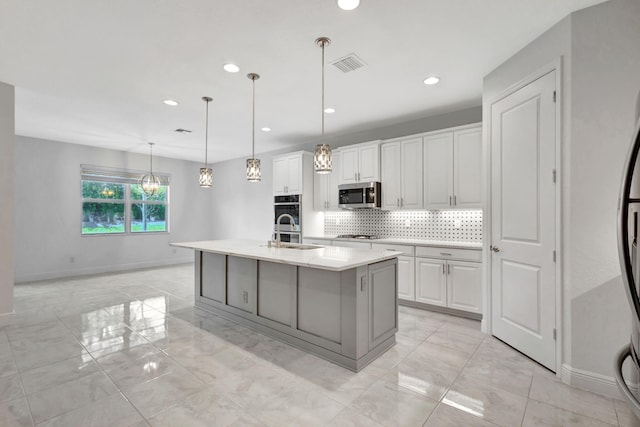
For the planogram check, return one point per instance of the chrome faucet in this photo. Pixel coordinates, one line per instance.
(293, 227)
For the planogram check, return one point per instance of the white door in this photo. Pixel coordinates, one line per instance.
(334, 181)
(464, 286)
(411, 173)
(467, 168)
(369, 163)
(348, 165)
(406, 278)
(523, 285)
(431, 281)
(390, 175)
(279, 175)
(294, 175)
(438, 173)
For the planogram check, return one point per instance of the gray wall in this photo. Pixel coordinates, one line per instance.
(601, 69)
(245, 210)
(7, 124)
(48, 213)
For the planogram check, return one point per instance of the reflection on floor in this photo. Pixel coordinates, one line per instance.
(129, 349)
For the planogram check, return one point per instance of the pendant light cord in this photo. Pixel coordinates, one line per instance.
(206, 134)
(253, 124)
(323, 43)
(151, 158)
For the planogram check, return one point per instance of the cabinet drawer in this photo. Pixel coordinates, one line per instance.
(352, 244)
(406, 250)
(449, 253)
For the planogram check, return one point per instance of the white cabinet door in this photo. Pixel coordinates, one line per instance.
(406, 278)
(464, 286)
(431, 281)
(320, 188)
(280, 175)
(390, 165)
(410, 171)
(294, 174)
(348, 165)
(334, 181)
(438, 174)
(369, 163)
(467, 167)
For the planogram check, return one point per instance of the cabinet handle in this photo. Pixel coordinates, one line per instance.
(445, 254)
(362, 283)
(401, 201)
(450, 201)
(449, 269)
(398, 202)
(454, 201)
(442, 268)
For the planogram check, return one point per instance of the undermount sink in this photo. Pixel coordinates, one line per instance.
(287, 245)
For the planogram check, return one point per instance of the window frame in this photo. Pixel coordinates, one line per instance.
(127, 178)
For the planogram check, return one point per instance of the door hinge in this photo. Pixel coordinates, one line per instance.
(554, 96)
(554, 256)
(554, 175)
(555, 334)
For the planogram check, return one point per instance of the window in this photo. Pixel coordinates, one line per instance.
(113, 203)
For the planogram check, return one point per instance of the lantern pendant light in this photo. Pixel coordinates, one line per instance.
(322, 155)
(253, 164)
(149, 182)
(206, 174)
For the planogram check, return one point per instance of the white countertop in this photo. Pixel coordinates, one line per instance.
(333, 258)
(413, 242)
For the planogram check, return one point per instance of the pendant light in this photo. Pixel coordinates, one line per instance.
(149, 182)
(206, 174)
(253, 164)
(322, 155)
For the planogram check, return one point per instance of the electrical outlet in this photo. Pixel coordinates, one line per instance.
(72, 259)
(245, 296)
(407, 223)
(457, 224)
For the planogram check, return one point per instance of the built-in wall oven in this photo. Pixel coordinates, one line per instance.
(289, 204)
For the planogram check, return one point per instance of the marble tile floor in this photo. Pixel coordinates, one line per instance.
(129, 349)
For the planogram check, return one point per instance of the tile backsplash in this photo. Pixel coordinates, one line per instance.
(450, 225)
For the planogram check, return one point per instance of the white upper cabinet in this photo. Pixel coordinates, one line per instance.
(467, 168)
(452, 169)
(360, 163)
(325, 186)
(287, 174)
(401, 170)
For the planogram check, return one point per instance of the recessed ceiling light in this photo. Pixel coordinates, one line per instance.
(231, 68)
(329, 110)
(266, 129)
(348, 4)
(170, 102)
(431, 80)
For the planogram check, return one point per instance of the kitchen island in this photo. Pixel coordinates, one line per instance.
(338, 303)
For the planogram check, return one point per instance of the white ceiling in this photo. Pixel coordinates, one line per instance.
(95, 72)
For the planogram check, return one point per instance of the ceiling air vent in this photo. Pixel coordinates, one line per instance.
(348, 63)
(180, 130)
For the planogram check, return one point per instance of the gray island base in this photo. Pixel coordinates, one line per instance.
(337, 303)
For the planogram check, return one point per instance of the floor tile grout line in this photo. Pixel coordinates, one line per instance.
(24, 394)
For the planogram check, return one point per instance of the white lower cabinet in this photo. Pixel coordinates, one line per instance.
(406, 277)
(452, 283)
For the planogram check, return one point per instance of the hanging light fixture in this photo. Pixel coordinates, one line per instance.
(149, 182)
(322, 155)
(206, 174)
(253, 164)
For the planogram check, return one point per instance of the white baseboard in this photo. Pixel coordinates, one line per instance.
(100, 269)
(593, 382)
(6, 319)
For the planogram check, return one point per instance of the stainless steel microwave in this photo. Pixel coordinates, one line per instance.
(361, 195)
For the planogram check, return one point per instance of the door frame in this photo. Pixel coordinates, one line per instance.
(486, 324)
